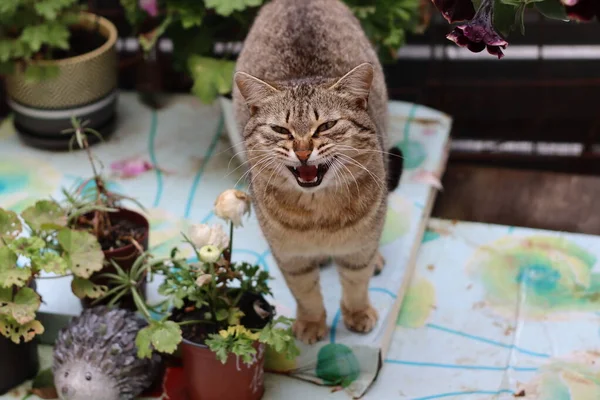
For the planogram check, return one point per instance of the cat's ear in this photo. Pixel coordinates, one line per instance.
(356, 83)
(252, 89)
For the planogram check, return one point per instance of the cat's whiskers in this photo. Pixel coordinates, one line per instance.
(348, 147)
(247, 162)
(275, 170)
(244, 151)
(265, 159)
(376, 179)
(267, 165)
(339, 175)
(350, 172)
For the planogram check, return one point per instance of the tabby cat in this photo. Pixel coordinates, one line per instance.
(311, 100)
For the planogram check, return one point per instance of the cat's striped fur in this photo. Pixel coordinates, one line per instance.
(306, 63)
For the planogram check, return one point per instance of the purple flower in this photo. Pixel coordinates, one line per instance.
(479, 33)
(582, 10)
(150, 6)
(455, 10)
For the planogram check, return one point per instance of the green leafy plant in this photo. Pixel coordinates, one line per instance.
(40, 241)
(212, 301)
(32, 30)
(196, 26)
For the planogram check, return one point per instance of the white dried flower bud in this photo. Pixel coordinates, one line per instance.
(231, 205)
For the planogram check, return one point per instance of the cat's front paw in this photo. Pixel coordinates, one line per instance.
(362, 321)
(309, 332)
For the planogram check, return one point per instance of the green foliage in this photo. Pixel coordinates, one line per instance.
(195, 26)
(228, 7)
(211, 290)
(212, 77)
(44, 244)
(163, 336)
(33, 30)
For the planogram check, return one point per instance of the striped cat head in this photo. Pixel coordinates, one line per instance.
(310, 134)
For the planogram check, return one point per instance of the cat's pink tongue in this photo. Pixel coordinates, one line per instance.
(307, 172)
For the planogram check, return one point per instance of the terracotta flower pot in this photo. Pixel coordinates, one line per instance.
(206, 378)
(18, 363)
(124, 257)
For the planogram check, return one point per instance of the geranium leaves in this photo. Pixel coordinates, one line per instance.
(44, 213)
(22, 306)
(14, 331)
(83, 288)
(162, 336)
(10, 226)
(10, 274)
(84, 253)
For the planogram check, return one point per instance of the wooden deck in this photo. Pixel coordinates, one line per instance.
(534, 199)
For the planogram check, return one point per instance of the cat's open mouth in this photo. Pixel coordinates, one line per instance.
(309, 175)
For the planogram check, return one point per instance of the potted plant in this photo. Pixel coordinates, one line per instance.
(122, 233)
(196, 28)
(486, 24)
(37, 241)
(58, 62)
(219, 316)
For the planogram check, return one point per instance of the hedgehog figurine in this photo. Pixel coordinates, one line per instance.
(95, 357)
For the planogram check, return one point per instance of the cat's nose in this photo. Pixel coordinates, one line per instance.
(303, 155)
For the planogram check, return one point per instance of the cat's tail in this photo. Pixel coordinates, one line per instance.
(395, 167)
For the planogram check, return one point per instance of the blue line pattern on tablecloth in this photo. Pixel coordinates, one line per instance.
(153, 159)
(198, 177)
(459, 366)
(488, 341)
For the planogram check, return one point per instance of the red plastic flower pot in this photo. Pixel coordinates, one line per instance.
(207, 378)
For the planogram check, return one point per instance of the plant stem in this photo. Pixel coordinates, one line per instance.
(230, 241)
(196, 321)
(140, 304)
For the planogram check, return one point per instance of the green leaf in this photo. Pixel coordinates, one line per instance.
(50, 9)
(227, 7)
(212, 77)
(51, 262)
(84, 253)
(504, 17)
(221, 315)
(552, 9)
(188, 12)
(235, 315)
(10, 225)
(27, 246)
(10, 274)
(132, 11)
(163, 337)
(53, 34)
(22, 307)
(16, 332)
(83, 288)
(44, 212)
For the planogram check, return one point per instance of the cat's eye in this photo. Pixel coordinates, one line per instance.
(88, 376)
(325, 127)
(281, 130)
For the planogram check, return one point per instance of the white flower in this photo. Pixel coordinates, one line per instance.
(202, 235)
(210, 254)
(203, 279)
(231, 205)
